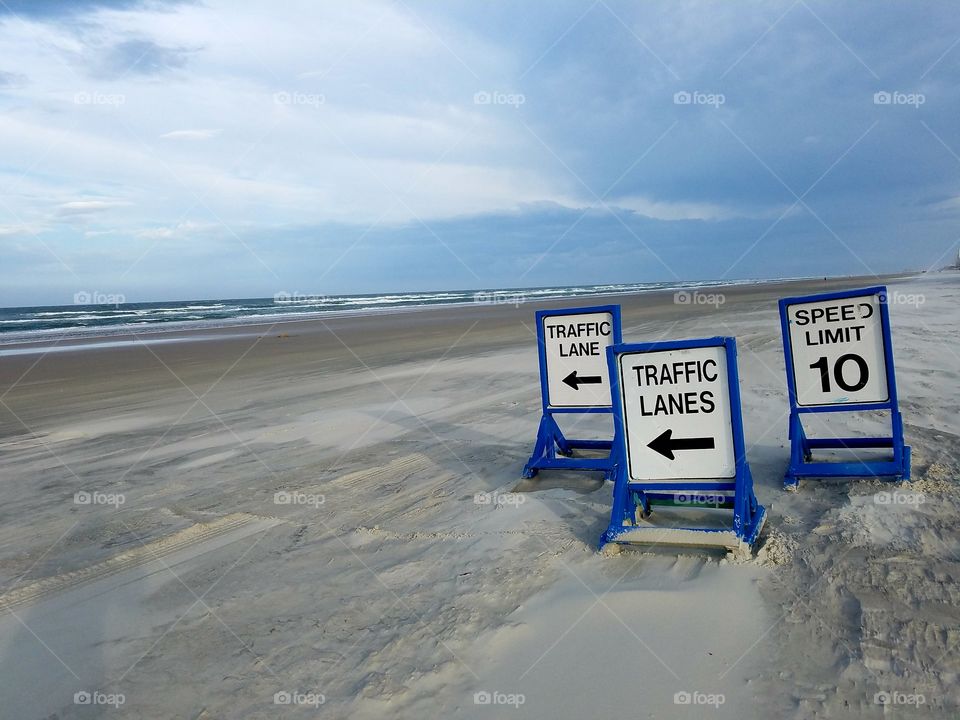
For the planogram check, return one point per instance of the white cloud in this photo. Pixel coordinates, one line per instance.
(380, 123)
(669, 210)
(177, 231)
(18, 230)
(84, 207)
(191, 134)
(380, 147)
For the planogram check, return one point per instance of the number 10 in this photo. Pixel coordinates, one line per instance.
(863, 372)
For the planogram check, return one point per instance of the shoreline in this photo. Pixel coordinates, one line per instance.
(252, 326)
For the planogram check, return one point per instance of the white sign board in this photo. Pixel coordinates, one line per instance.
(676, 415)
(576, 355)
(837, 351)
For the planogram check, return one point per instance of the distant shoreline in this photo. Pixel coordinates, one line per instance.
(263, 312)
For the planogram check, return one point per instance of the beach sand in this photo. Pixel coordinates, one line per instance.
(379, 587)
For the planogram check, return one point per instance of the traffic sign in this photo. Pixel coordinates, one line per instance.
(676, 413)
(576, 355)
(839, 358)
(837, 351)
(678, 432)
(574, 378)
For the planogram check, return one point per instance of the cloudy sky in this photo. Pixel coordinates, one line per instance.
(238, 149)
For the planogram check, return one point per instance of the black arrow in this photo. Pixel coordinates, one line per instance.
(574, 381)
(665, 444)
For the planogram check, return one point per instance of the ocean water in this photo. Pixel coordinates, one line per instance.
(85, 319)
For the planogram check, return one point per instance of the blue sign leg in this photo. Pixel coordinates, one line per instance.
(802, 464)
(563, 446)
(804, 443)
(555, 451)
(542, 449)
(901, 452)
(622, 514)
(748, 514)
(799, 452)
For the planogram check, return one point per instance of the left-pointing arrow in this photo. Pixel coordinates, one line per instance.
(575, 381)
(665, 444)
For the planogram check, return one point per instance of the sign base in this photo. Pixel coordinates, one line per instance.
(554, 451)
(633, 520)
(802, 447)
(692, 537)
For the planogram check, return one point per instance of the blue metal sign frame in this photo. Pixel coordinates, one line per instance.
(801, 447)
(552, 450)
(628, 494)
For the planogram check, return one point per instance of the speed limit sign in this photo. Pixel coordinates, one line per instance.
(837, 351)
(839, 358)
